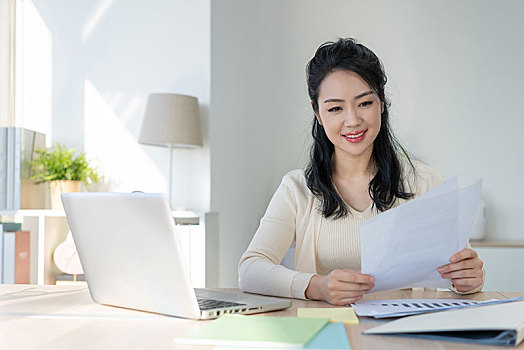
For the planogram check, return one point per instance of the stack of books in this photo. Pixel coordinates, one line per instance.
(14, 254)
(17, 148)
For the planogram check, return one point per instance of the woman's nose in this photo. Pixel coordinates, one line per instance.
(351, 118)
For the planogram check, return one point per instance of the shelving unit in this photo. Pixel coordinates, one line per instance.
(503, 261)
(49, 228)
(37, 221)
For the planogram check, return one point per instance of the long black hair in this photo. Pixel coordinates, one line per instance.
(387, 184)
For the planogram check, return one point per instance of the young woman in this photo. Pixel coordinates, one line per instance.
(356, 170)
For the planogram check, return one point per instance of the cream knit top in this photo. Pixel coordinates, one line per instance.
(322, 244)
(338, 245)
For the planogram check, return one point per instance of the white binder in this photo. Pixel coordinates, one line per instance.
(500, 324)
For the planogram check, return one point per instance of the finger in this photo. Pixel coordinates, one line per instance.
(348, 301)
(468, 273)
(345, 298)
(350, 287)
(334, 296)
(464, 264)
(355, 277)
(341, 287)
(352, 276)
(463, 254)
(466, 284)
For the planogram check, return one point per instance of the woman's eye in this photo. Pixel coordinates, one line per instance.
(365, 104)
(334, 109)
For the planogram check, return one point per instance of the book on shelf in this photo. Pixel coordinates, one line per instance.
(17, 149)
(8, 257)
(22, 257)
(11, 226)
(15, 256)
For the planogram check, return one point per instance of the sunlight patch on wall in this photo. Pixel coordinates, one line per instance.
(131, 108)
(117, 153)
(95, 18)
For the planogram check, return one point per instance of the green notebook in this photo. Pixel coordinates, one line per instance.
(256, 331)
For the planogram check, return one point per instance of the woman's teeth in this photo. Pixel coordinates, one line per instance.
(354, 136)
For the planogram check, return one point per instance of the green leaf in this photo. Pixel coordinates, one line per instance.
(59, 163)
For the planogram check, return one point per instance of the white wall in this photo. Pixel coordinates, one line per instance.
(241, 123)
(455, 79)
(455, 83)
(454, 71)
(89, 67)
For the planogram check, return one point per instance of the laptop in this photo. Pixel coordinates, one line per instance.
(132, 258)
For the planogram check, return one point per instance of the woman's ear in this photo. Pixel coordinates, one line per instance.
(316, 113)
(382, 108)
(318, 118)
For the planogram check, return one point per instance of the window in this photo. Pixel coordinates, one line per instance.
(7, 62)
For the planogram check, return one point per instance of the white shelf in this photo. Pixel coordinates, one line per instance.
(33, 212)
(181, 217)
(38, 234)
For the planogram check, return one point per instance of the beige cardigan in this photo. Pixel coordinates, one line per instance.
(292, 216)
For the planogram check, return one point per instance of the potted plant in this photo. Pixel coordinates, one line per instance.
(64, 171)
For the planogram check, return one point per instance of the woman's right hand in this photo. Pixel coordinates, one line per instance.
(340, 287)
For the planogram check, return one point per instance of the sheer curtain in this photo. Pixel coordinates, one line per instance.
(7, 62)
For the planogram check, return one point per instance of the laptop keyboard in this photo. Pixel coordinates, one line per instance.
(208, 304)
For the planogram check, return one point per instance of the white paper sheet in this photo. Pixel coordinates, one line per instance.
(404, 246)
(405, 307)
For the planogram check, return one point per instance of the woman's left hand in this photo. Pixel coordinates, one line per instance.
(465, 270)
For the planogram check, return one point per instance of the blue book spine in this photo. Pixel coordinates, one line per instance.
(17, 168)
(11, 226)
(9, 258)
(10, 181)
(3, 168)
(14, 139)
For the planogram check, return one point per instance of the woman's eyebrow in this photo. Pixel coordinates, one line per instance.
(355, 98)
(334, 100)
(363, 94)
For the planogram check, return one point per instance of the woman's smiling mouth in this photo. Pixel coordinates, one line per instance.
(355, 137)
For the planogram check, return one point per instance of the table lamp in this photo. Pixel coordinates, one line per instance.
(171, 120)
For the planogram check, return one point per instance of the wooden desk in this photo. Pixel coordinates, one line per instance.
(65, 317)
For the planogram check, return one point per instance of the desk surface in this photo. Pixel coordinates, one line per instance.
(65, 317)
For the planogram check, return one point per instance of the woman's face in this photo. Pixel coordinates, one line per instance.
(349, 111)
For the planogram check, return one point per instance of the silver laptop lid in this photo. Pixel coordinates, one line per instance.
(130, 253)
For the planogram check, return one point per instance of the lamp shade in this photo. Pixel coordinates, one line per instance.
(171, 120)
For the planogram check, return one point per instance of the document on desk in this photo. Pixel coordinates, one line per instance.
(498, 324)
(406, 307)
(403, 247)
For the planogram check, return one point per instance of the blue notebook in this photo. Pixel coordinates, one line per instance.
(496, 324)
(332, 336)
